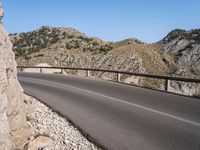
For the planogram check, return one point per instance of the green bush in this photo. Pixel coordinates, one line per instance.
(27, 57)
(68, 46)
(20, 52)
(39, 55)
(105, 48)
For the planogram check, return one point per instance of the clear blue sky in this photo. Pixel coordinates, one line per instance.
(111, 20)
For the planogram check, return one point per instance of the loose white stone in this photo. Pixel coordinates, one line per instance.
(63, 134)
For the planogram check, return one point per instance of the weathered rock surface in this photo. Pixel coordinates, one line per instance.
(185, 47)
(14, 130)
(40, 142)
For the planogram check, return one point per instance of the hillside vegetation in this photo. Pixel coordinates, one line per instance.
(29, 43)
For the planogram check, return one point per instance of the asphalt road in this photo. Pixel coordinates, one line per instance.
(119, 116)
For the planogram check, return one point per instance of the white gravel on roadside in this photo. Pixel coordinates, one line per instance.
(64, 135)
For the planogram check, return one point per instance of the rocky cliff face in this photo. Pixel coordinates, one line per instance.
(14, 130)
(185, 48)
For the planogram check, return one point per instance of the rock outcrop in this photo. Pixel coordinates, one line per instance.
(40, 142)
(185, 47)
(14, 129)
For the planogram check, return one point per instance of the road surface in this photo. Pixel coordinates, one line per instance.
(118, 116)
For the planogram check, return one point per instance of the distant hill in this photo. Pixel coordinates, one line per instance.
(177, 54)
(46, 37)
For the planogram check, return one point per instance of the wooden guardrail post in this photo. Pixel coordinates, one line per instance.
(61, 71)
(88, 73)
(166, 84)
(118, 77)
(40, 70)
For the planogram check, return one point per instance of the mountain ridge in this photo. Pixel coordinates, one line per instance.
(173, 55)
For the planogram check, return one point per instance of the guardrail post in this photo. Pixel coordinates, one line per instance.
(61, 71)
(118, 77)
(88, 73)
(21, 69)
(40, 70)
(166, 84)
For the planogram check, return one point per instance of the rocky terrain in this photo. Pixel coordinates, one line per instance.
(177, 54)
(184, 46)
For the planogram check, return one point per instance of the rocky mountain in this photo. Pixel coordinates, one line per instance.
(176, 54)
(185, 48)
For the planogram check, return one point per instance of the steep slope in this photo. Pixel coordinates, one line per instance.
(185, 45)
(185, 48)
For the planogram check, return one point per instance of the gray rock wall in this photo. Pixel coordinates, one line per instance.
(14, 129)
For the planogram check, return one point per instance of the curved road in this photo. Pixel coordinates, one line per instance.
(118, 116)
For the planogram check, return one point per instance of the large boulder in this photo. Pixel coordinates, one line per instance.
(14, 129)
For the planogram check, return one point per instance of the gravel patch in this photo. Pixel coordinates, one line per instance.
(63, 134)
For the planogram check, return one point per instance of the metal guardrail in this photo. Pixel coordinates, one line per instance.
(119, 73)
